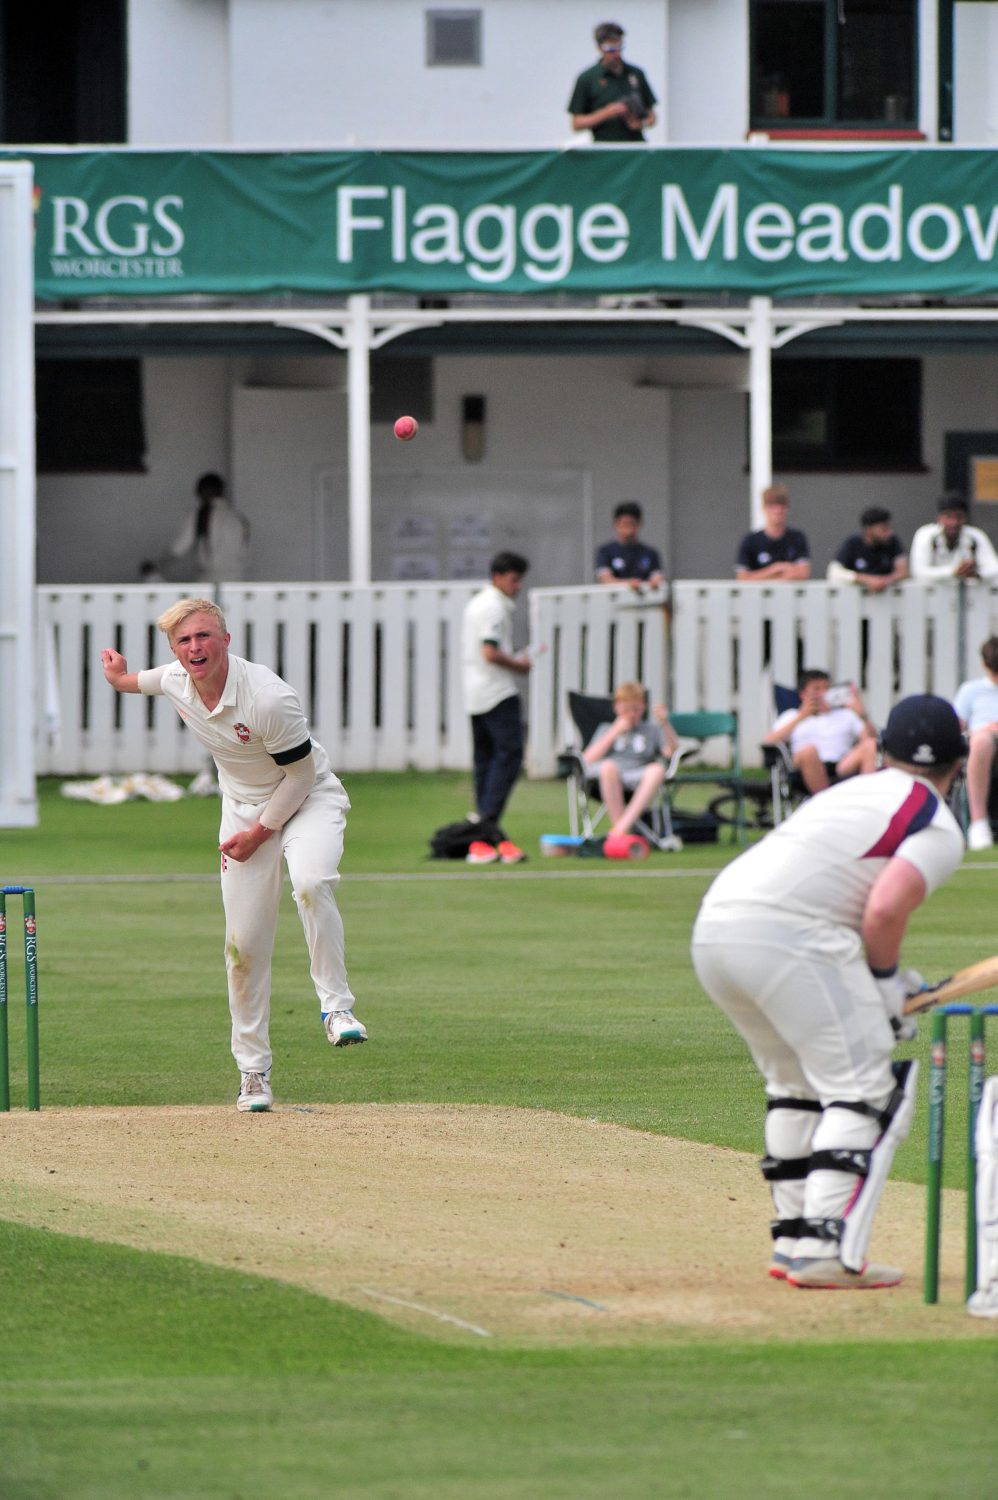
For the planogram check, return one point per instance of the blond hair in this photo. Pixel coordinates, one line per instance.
(177, 614)
(629, 692)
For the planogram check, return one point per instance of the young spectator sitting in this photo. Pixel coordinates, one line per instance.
(627, 756)
(976, 703)
(827, 742)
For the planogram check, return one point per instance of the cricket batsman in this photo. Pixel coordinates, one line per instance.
(798, 941)
(281, 804)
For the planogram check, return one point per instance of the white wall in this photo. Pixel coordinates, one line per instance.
(322, 73)
(708, 71)
(178, 73)
(975, 82)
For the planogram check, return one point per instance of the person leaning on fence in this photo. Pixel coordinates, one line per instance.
(976, 702)
(613, 98)
(828, 742)
(627, 559)
(872, 557)
(626, 756)
(777, 552)
(948, 548)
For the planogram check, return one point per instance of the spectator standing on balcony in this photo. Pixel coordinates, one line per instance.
(613, 98)
(777, 551)
(872, 557)
(626, 559)
(949, 548)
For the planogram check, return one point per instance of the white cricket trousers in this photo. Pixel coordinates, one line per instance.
(311, 844)
(803, 998)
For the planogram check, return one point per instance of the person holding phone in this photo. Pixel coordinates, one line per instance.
(830, 736)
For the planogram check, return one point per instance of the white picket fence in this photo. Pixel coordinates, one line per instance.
(378, 668)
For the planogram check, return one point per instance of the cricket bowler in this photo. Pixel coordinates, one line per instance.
(281, 803)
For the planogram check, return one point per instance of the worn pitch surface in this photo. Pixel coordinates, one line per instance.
(465, 1220)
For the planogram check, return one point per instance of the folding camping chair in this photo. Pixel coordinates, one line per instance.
(585, 807)
(786, 784)
(696, 731)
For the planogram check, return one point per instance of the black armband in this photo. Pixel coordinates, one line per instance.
(288, 757)
(884, 973)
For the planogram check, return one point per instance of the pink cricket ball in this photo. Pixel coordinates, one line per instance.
(406, 428)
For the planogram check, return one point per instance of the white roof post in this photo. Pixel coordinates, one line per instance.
(358, 333)
(760, 335)
(20, 670)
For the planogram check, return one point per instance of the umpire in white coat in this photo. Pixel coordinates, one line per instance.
(281, 803)
(798, 941)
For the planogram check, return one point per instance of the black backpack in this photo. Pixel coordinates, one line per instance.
(453, 840)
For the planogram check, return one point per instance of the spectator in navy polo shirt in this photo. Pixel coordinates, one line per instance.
(627, 560)
(777, 552)
(872, 557)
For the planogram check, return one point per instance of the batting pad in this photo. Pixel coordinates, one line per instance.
(858, 1225)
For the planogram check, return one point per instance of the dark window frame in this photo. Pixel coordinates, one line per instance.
(89, 416)
(769, 112)
(845, 392)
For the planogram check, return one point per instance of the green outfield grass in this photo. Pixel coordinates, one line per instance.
(127, 1374)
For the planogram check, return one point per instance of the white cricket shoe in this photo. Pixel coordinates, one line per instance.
(979, 835)
(254, 1093)
(831, 1275)
(984, 1303)
(343, 1029)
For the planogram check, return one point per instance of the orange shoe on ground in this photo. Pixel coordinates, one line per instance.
(510, 854)
(481, 853)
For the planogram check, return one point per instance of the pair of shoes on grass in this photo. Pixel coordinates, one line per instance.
(343, 1030)
(505, 851)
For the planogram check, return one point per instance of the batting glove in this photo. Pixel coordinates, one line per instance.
(894, 990)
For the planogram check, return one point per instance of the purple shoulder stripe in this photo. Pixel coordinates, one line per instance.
(915, 813)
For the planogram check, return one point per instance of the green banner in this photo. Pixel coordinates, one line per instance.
(784, 223)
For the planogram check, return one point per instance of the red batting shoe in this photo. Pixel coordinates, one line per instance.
(481, 853)
(509, 853)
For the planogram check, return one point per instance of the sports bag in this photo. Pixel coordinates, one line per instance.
(453, 840)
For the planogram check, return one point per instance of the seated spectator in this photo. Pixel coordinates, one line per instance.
(949, 548)
(626, 756)
(976, 702)
(777, 551)
(873, 557)
(613, 98)
(627, 560)
(827, 741)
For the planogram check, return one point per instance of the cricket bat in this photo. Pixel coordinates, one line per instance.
(968, 981)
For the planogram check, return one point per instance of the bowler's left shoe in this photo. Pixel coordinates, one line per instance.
(255, 1094)
(343, 1029)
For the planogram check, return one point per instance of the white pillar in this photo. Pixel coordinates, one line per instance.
(22, 674)
(359, 435)
(759, 332)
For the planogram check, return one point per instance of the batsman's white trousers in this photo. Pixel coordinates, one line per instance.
(802, 996)
(311, 844)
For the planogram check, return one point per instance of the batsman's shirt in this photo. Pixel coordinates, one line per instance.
(255, 722)
(820, 865)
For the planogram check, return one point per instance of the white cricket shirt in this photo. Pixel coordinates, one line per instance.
(258, 716)
(822, 862)
(488, 620)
